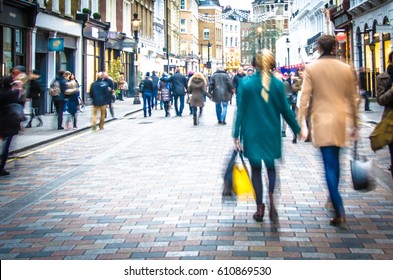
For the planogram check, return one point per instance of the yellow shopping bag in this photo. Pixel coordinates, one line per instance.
(242, 185)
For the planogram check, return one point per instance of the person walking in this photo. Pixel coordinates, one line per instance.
(236, 80)
(72, 94)
(221, 90)
(261, 100)
(154, 98)
(99, 92)
(363, 88)
(111, 89)
(197, 88)
(35, 92)
(165, 93)
(385, 97)
(59, 100)
(122, 85)
(179, 88)
(146, 87)
(10, 93)
(332, 86)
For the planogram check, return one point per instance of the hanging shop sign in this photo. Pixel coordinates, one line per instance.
(56, 44)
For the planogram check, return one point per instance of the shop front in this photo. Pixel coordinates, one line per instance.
(17, 19)
(56, 46)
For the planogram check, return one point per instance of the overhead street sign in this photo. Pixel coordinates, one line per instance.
(384, 28)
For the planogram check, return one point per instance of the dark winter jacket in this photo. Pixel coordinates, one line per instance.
(148, 86)
(63, 87)
(221, 86)
(163, 87)
(236, 80)
(35, 91)
(179, 84)
(155, 80)
(7, 97)
(99, 93)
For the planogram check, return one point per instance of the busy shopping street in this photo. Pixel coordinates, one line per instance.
(151, 188)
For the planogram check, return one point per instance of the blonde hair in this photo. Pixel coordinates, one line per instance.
(265, 62)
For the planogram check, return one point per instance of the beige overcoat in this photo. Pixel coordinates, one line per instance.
(331, 85)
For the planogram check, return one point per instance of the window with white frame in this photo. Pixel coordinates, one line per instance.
(182, 4)
(67, 7)
(127, 17)
(206, 34)
(111, 13)
(85, 4)
(183, 25)
(55, 6)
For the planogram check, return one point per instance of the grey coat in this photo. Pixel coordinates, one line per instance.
(221, 86)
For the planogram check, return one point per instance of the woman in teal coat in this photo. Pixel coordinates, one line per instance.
(261, 100)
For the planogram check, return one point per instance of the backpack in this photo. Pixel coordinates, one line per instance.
(54, 89)
(141, 86)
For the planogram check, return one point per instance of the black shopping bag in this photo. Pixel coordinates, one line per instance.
(228, 176)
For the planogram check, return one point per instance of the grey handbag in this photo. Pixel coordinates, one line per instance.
(360, 172)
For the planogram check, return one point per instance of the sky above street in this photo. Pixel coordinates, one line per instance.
(238, 4)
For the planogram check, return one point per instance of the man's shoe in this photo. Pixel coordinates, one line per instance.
(224, 123)
(368, 110)
(283, 134)
(219, 122)
(60, 128)
(28, 125)
(4, 173)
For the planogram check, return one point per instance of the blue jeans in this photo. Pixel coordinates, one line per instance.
(4, 154)
(331, 162)
(147, 96)
(154, 99)
(221, 111)
(179, 111)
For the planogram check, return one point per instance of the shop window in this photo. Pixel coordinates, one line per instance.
(7, 50)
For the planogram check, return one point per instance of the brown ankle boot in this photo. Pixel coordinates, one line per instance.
(258, 216)
(273, 216)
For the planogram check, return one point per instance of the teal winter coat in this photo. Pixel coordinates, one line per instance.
(258, 122)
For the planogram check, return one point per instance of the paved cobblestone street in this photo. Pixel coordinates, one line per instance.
(150, 188)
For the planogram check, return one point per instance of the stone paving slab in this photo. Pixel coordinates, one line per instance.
(151, 189)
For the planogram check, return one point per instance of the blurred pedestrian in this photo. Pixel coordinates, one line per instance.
(154, 99)
(122, 85)
(59, 100)
(72, 94)
(197, 88)
(10, 105)
(179, 88)
(262, 99)
(385, 97)
(236, 80)
(221, 90)
(165, 93)
(188, 78)
(146, 87)
(111, 97)
(35, 92)
(99, 92)
(363, 88)
(331, 84)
